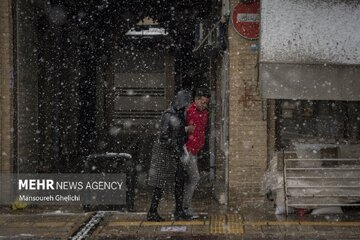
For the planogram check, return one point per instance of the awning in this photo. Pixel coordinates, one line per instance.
(306, 81)
(310, 49)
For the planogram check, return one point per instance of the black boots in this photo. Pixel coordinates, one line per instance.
(181, 215)
(154, 217)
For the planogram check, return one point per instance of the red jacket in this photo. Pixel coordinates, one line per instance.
(196, 139)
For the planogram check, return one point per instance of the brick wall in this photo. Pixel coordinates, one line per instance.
(247, 128)
(5, 85)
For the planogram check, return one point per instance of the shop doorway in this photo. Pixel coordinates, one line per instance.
(95, 77)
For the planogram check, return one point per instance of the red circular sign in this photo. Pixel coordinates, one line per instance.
(246, 19)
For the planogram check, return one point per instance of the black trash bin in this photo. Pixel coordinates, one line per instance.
(114, 163)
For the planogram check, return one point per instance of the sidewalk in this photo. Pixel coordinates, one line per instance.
(119, 225)
(247, 224)
(215, 222)
(40, 225)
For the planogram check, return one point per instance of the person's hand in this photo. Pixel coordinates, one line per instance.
(190, 128)
(185, 157)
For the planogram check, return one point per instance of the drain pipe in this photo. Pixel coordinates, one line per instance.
(225, 12)
(225, 105)
(212, 144)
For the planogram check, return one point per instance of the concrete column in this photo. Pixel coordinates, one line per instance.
(247, 122)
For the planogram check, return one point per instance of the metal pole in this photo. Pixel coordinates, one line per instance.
(212, 135)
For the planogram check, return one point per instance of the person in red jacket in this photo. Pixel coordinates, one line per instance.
(196, 120)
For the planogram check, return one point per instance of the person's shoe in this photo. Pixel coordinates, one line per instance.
(154, 217)
(181, 215)
(190, 212)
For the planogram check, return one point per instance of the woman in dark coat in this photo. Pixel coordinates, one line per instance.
(166, 169)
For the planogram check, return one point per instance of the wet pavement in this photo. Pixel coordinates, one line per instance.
(120, 225)
(215, 222)
(251, 224)
(48, 225)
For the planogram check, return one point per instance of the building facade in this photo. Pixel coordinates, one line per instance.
(255, 86)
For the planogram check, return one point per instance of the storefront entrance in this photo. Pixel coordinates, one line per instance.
(94, 78)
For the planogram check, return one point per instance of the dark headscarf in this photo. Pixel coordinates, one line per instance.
(182, 99)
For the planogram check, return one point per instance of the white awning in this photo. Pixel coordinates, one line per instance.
(310, 49)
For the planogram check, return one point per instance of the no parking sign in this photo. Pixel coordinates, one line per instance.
(246, 19)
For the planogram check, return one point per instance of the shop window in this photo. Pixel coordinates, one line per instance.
(316, 121)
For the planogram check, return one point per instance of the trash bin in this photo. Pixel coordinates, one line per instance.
(114, 163)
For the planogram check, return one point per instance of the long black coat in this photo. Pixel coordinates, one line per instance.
(168, 148)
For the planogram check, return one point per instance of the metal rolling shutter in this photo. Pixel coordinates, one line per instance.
(310, 49)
